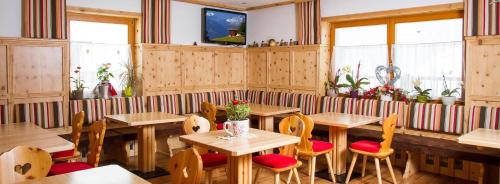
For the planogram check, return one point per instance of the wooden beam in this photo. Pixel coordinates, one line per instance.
(97, 11)
(276, 4)
(396, 13)
(213, 4)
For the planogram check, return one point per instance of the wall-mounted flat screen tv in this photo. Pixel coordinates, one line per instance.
(224, 27)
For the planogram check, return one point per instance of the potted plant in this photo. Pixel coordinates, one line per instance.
(103, 74)
(128, 79)
(77, 93)
(422, 95)
(333, 86)
(447, 95)
(237, 118)
(354, 84)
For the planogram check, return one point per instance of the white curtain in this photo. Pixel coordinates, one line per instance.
(90, 56)
(428, 62)
(370, 56)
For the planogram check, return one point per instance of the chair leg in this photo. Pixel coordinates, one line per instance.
(364, 166)
(353, 162)
(277, 178)
(297, 178)
(256, 175)
(309, 164)
(377, 166)
(330, 167)
(313, 170)
(209, 177)
(289, 179)
(390, 170)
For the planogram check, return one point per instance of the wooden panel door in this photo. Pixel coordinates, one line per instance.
(162, 71)
(305, 69)
(3, 70)
(37, 71)
(279, 68)
(257, 68)
(237, 60)
(229, 69)
(198, 68)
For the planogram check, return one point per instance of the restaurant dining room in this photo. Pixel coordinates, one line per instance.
(249, 91)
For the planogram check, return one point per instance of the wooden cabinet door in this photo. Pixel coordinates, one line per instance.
(305, 69)
(279, 68)
(198, 69)
(483, 64)
(37, 71)
(3, 70)
(237, 62)
(161, 71)
(257, 68)
(229, 69)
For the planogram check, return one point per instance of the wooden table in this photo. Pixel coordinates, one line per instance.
(266, 113)
(145, 123)
(28, 134)
(339, 123)
(239, 150)
(483, 138)
(106, 174)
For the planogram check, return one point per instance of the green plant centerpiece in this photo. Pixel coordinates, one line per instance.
(447, 96)
(128, 79)
(355, 84)
(79, 85)
(332, 86)
(237, 123)
(103, 74)
(422, 95)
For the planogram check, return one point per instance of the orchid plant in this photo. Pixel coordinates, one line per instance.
(423, 95)
(447, 92)
(355, 84)
(334, 83)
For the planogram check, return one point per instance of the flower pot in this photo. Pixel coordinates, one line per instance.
(386, 98)
(448, 100)
(422, 99)
(354, 94)
(77, 94)
(103, 90)
(128, 91)
(237, 128)
(331, 93)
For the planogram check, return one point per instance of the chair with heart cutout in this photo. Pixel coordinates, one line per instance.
(185, 167)
(196, 124)
(24, 163)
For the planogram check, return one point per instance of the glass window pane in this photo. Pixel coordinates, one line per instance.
(361, 35)
(429, 31)
(95, 32)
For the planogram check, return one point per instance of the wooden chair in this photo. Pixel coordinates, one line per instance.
(96, 139)
(69, 155)
(287, 158)
(380, 151)
(211, 161)
(24, 163)
(310, 149)
(185, 167)
(209, 112)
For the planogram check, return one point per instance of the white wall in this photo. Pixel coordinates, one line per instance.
(119, 5)
(276, 22)
(10, 18)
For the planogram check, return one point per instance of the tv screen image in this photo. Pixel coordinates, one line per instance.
(224, 27)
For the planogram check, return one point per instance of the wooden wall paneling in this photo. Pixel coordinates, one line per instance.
(198, 69)
(257, 68)
(238, 69)
(305, 68)
(222, 69)
(3, 71)
(325, 65)
(279, 68)
(162, 70)
(229, 68)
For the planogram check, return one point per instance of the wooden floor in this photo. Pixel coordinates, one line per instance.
(371, 177)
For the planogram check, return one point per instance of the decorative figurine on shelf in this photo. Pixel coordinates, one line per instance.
(291, 42)
(262, 43)
(282, 43)
(77, 93)
(255, 44)
(272, 43)
(385, 79)
(195, 44)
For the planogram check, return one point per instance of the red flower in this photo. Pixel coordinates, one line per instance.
(235, 102)
(245, 101)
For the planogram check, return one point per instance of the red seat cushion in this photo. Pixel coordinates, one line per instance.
(62, 154)
(64, 168)
(213, 159)
(220, 126)
(319, 146)
(367, 146)
(275, 160)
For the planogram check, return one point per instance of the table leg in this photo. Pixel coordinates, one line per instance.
(240, 169)
(147, 148)
(266, 123)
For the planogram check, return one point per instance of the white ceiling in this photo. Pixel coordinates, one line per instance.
(245, 3)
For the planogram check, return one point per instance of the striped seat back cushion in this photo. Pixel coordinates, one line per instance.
(173, 104)
(241, 94)
(437, 117)
(285, 99)
(129, 105)
(337, 104)
(256, 97)
(194, 100)
(367, 107)
(95, 109)
(272, 98)
(306, 102)
(224, 97)
(484, 117)
(386, 108)
(44, 114)
(4, 114)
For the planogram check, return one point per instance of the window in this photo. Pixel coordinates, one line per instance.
(424, 47)
(95, 41)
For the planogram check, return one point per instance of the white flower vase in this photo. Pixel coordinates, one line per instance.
(386, 98)
(103, 90)
(237, 128)
(448, 100)
(331, 93)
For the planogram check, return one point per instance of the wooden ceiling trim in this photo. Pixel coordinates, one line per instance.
(218, 5)
(105, 12)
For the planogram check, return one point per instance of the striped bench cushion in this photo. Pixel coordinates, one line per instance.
(367, 107)
(44, 114)
(95, 109)
(337, 104)
(4, 114)
(278, 98)
(256, 97)
(129, 105)
(194, 100)
(224, 97)
(437, 117)
(173, 104)
(241, 94)
(306, 102)
(484, 117)
(386, 108)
